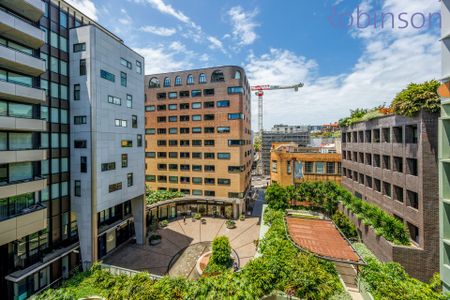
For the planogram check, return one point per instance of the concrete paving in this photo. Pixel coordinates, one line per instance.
(178, 238)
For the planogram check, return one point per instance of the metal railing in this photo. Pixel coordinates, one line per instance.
(115, 270)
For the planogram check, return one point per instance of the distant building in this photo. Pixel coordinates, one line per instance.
(268, 138)
(280, 128)
(391, 162)
(290, 164)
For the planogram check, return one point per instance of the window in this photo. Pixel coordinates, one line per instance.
(153, 83)
(161, 119)
(377, 185)
(413, 232)
(331, 169)
(173, 154)
(178, 81)
(82, 67)
(208, 104)
(123, 79)
(108, 166)
(139, 140)
(376, 161)
(184, 94)
(185, 155)
(196, 130)
(223, 156)
(138, 67)
(239, 169)
(397, 135)
(150, 108)
(115, 187)
(108, 76)
(76, 92)
(80, 144)
(83, 164)
(150, 154)
(166, 82)
(411, 134)
(398, 164)
(196, 155)
(77, 120)
(124, 160)
(134, 121)
(237, 75)
(126, 143)
(235, 90)
(209, 168)
(197, 180)
(223, 181)
(398, 193)
(196, 93)
(208, 92)
(125, 63)
(196, 105)
(217, 76)
(130, 179)
(210, 181)
(320, 168)
(209, 155)
(387, 189)
(150, 178)
(129, 101)
(209, 143)
(235, 116)
(386, 162)
(412, 199)
(223, 103)
(196, 118)
(190, 79)
(77, 188)
(202, 78)
(412, 166)
(208, 130)
(208, 117)
(172, 118)
(173, 95)
(386, 135)
(225, 129)
(173, 130)
(120, 123)
(173, 143)
(235, 142)
(79, 47)
(309, 167)
(173, 179)
(63, 19)
(172, 107)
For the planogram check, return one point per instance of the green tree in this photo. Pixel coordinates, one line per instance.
(277, 197)
(417, 96)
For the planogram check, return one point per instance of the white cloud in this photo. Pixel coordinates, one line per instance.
(125, 19)
(243, 25)
(87, 7)
(162, 31)
(215, 43)
(390, 60)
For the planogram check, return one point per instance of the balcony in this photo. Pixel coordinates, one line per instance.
(17, 29)
(8, 157)
(20, 62)
(21, 93)
(33, 9)
(28, 221)
(22, 187)
(22, 124)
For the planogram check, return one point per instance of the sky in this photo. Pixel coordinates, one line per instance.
(345, 61)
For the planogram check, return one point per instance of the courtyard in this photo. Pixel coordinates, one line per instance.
(183, 242)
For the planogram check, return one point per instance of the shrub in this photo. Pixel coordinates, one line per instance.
(164, 223)
(277, 197)
(157, 196)
(220, 260)
(345, 225)
(197, 216)
(390, 281)
(242, 217)
(416, 97)
(230, 224)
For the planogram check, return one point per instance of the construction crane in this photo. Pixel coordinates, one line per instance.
(260, 93)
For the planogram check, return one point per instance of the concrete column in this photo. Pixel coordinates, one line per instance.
(138, 210)
(235, 211)
(85, 236)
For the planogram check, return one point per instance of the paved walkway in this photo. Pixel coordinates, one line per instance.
(179, 235)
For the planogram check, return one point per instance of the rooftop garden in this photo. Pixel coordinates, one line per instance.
(409, 102)
(153, 197)
(325, 196)
(282, 267)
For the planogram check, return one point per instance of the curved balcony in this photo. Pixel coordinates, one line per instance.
(8, 157)
(22, 124)
(18, 29)
(29, 220)
(20, 62)
(33, 9)
(21, 93)
(21, 187)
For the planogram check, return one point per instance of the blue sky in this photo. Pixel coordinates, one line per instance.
(285, 42)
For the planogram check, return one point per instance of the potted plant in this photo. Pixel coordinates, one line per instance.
(154, 239)
(197, 216)
(242, 217)
(163, 223)
(230, 224)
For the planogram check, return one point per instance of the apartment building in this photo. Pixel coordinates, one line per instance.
(107, 141)
(444, 151)
(391, 162)
(39, 242)
(291, 165)
(198, 132)
(301, 138)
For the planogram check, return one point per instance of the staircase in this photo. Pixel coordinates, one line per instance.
(348, 275)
